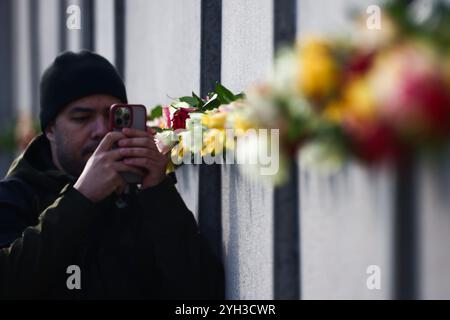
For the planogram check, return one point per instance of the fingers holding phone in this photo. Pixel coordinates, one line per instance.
(140, 151)
(102, 174)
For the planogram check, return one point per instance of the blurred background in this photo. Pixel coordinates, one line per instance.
(317, 236)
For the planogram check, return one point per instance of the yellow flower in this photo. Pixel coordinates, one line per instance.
(318, 76)
(334, 112)
(359, 99)
(357, 102)
(213, 142)
(170, 167)
(214, 120)
(240, 122)
(177, 152)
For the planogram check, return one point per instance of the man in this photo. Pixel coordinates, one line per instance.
(67, 193)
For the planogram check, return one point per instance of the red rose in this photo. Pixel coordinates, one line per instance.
(373, 141)
(179, 119)
(359, 64)
(425, 104)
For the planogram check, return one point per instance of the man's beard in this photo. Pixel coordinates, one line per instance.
(68, 160)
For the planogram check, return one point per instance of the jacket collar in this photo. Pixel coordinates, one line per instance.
(36, 167)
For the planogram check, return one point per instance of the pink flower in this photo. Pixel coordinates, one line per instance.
(411, 92)
(166, 116)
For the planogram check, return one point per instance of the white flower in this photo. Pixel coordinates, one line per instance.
(261, 106)
(325, 158)
(285, 72)
(166, 140)
(180, 104)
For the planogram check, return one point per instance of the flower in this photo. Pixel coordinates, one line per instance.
(238, 116)
(318, 72)
(167, 116)
(192, 136)
(372, 141)
(179, 119)
(181, 115)
(411, 92)
(213, 142)
(180, 105)
(283, 76)
(359, 63)
(214, 120)
(357, 102)
(158, 122)
(375, 95)
(334, 111)
(166, 140)
(325, 157)
(261, 109)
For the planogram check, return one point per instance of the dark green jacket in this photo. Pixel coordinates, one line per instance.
(149, 249)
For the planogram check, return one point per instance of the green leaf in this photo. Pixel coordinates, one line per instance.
(155, 113)
(210, 95)
(189, 100)
(225, 95)
(200, 102)
(212, 103)
(240, 96)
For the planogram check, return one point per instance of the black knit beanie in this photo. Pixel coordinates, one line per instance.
(73, 76)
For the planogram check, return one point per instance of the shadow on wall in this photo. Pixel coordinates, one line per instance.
(232, 259)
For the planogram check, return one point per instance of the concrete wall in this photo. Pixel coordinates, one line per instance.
(346, 226)
(329, 17)
(162, 49)
(247, 44)
(74, 36)
(247, 222)
(104, 29)
(22, 73)
(247, 52)
(49, 32)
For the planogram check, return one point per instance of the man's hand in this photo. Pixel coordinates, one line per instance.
(100, 176)
(139, 150)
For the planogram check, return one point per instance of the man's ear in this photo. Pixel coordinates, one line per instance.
(50, 132)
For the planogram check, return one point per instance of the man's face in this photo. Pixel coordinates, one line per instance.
(78, 130)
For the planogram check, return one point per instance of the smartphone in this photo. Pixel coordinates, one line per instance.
(128, 116)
